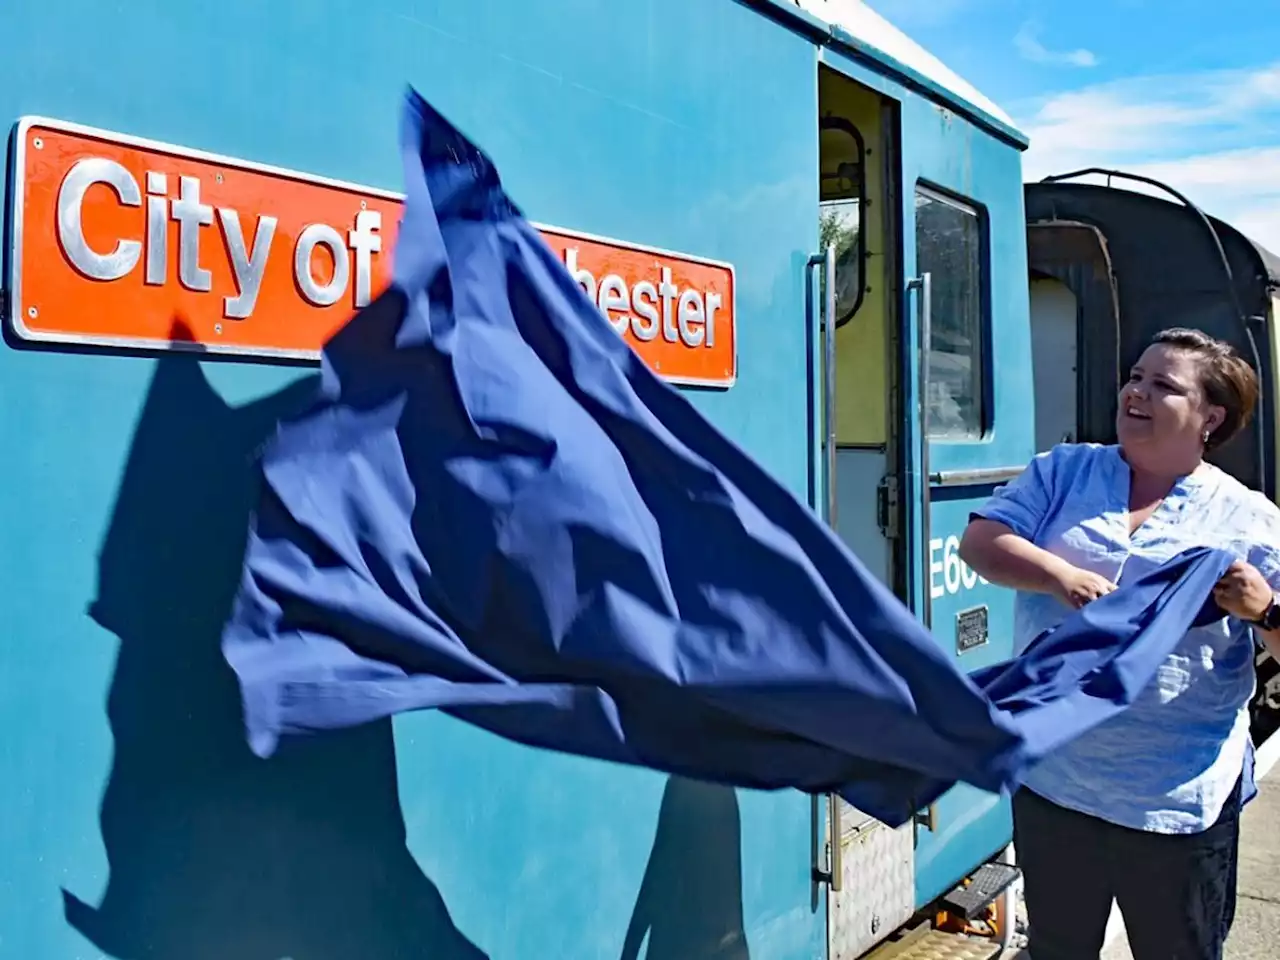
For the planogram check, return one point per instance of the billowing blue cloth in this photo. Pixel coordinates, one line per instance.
(494, 509)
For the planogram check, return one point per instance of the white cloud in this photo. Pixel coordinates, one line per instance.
(1030, 48)
(1215, 136)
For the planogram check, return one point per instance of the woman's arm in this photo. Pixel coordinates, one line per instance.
(1005, 558)
(999, 541)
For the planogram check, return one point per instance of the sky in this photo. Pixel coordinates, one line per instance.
(1187, 91)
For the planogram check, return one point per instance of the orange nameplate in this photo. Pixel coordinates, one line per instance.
(121, 242)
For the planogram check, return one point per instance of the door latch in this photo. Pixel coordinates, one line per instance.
(888, 507)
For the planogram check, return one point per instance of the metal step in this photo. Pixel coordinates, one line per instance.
(969, 899)
(925, 943)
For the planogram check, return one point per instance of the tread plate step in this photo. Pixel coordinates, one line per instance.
(925, 943)
(991, 880)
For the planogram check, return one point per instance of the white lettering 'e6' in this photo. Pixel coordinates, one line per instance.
(948, 574)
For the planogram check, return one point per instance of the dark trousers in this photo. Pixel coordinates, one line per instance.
(1177, 894)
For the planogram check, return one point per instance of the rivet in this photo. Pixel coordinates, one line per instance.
(217, 328)
(218, 178)
(32, 312)
(364, 205)
(38, 143)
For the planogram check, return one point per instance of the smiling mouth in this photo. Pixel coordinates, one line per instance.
(1135, 414)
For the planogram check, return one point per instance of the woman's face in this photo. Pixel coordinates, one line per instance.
(1163, 410)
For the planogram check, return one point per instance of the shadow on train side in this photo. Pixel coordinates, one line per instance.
(690, 901)
(213, 852)
(217, 855)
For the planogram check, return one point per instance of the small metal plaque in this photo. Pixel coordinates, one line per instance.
(971, 629)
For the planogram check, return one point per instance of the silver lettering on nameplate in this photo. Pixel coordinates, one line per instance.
(971, 629)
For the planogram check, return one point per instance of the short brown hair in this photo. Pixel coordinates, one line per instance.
(1227, 379)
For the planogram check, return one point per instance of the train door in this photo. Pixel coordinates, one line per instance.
(923, 215)
(1075, 332)
(967, 420)
(1054, 323)
(871, 868)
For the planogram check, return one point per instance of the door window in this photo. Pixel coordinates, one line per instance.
(949, 246)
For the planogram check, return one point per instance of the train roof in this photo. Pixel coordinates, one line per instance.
(1120, 206)
(1269, 260)
(857, 25)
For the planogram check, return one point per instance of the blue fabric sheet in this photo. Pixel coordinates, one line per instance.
(493, 508)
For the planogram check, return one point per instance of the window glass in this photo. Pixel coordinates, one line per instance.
(841, 225)
(843, 189)
(949, 248)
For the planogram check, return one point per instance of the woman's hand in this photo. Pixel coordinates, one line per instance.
(1243, 592)
(1076, 587)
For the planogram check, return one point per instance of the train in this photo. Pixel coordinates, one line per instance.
(791, 211)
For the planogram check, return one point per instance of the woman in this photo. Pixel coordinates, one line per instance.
(1145, 808)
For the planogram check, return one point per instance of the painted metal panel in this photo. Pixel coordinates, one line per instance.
(124, 781)
(948, 153)
(858, 476)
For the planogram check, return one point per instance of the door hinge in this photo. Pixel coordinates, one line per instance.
(887, 507)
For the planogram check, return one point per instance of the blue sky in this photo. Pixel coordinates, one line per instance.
(1184, 90)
